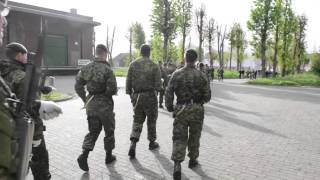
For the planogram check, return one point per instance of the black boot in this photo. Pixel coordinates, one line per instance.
(109, 157)
(153, 145)
(83, 160)
(193, 163)
(177, 171)
(160, 106)
(132, 150)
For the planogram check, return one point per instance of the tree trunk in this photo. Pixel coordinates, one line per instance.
(165, 48)
(238, 59)
(230, 57)
(263, 56)
(183, 42)
(130, 48)
(275, 56)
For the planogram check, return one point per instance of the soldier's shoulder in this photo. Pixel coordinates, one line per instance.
(87, 66)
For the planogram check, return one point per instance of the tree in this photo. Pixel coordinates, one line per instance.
(277, 21)
(156, 50)
(240, 44)
(221, 37)
(163, 22)
(300, 41)
(232, 40)
(200, 15)
(184, 8)
(129, 37)
(287, 36)
(138, 35)
(210, 30)
(260, 24)
(109, 44)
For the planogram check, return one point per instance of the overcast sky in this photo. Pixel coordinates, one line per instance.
(121, 13)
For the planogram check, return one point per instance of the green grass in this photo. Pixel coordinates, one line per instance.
(305, 79)
(228, 74)
(55, 96)
(121, 72)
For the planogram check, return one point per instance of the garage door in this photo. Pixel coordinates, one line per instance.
(56, 51)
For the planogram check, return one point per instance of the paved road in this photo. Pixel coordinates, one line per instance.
(249, 132)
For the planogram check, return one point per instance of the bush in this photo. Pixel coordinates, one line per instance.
(121, 71)
(305, 79)
(316, 63)
(227, 74)
(55, 96)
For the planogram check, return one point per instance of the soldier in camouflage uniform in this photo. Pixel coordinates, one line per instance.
(143, 82)
(5, 116)
(13, 72)
(164, 77)
(5, 135)
(192, 91)
(101, 85)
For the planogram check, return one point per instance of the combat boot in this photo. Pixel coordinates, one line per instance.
(153, 145)
(132, 150)
(177, 171)
(83, 160)
(109, 157)
(193, 163)
(160, 106)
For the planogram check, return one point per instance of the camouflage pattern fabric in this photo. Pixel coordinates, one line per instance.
(6, 128)
(146, 107)
(192, 91)
(143, 82)
(101, 84)
(13, 73)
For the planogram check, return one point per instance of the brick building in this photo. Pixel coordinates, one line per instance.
(69, 37)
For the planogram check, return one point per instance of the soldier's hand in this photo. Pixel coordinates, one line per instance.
(36, 143)
(49, 110)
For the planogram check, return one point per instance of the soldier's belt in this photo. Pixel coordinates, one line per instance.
(144, 90)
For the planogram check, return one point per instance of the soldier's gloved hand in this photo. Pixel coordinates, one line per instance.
(49, 110)
(36, 143)
(170, 108)
(47, 89)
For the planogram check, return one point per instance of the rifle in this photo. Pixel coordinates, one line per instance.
(24, 122)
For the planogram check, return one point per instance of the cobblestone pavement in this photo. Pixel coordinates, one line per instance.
(249, 132)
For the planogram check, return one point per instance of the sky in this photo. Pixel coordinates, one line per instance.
(122, 13)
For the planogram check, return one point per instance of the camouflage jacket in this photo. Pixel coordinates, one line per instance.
(99, 80)
(6, 127)
(188, 84)
(13, 72)
(143, 75)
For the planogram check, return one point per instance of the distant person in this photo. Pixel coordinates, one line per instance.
(192, 91)
(142, 84)
(101, 85)
(164, 82)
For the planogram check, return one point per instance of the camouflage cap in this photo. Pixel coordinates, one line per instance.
(16, 47)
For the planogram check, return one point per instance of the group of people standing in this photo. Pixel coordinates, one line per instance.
(12, 94)
(143, 83)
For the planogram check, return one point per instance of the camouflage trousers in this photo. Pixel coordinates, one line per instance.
(161, 94)
(40, 161)
(187, 127)
(145, 105)
(95, 123)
